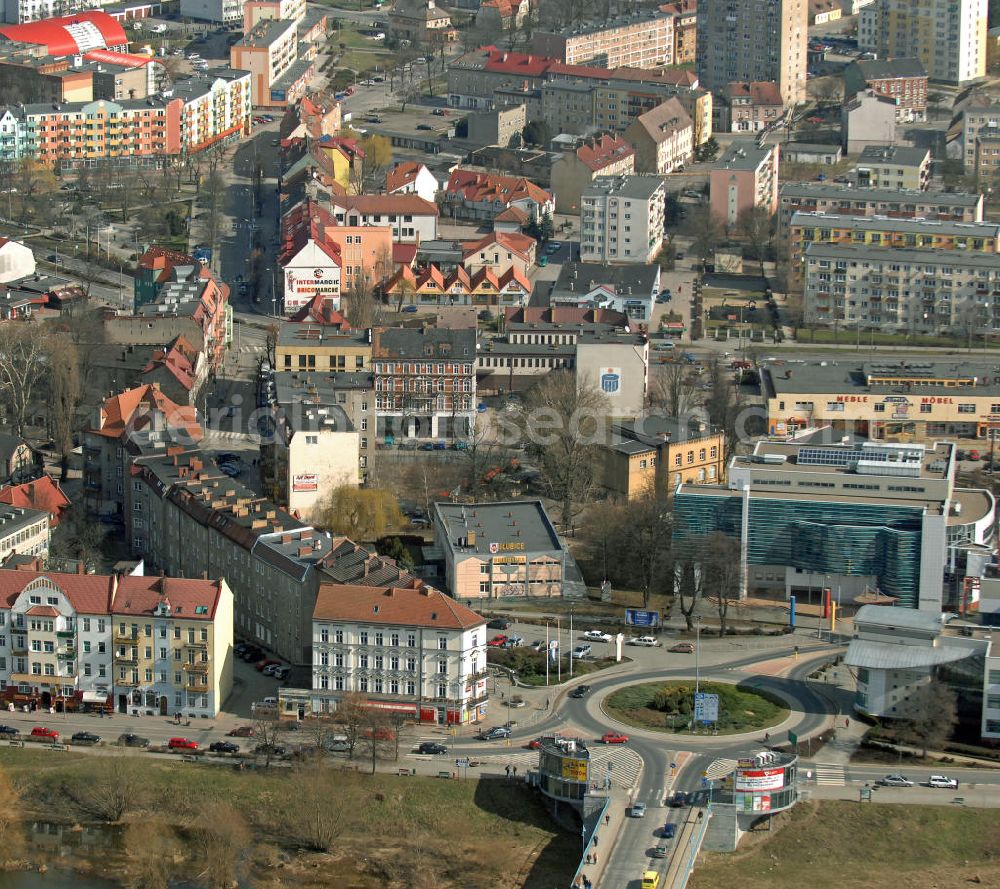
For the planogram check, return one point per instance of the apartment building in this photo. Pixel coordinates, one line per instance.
(655, 454)
(850, 517)
(948, 38)
(499, 252)
(868, 120)
(906, 289)
(618, 103)
(431, 286)
(410, 177)
(18, 12)
(980, 127)
(140, 644)
(420, 21)
(471, 194)
(576, 170)
(745, 176)
(268, 51)
(685, 16)
(824, 197)
(223, 12)
(125, 426)
(502, 549)
(217, 107)
(904, 80)
(414, 654)
(880, 231)
(753, 40)
(895, 166)
(411, 218)
(621, 219)
(24, 531)
(663, 138)
(640, 41)
(179, 370)
(425, 381)
(255, 11)
(323, 348)
(939, 399)
(749, 107)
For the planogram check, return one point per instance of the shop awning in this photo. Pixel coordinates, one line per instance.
(93, 697)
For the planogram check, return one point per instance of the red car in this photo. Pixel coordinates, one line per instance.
(182, 744)
(265, 663)
(614, 738)
(497, 641)
(241, 731)
(535, 744)
(682, 648)
(41, 732)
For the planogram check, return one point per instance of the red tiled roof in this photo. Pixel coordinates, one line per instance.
(121, 412)
(402, 175)
(179, 359)
(42, 611)
(386, 203)
(513, 241)
(404, 254)
(43, 493)
(139, 595)
(88, 593)
(512, 214)
(604, 151)
(760, 92)
(477, 186)
(399, 607)
(320, 310)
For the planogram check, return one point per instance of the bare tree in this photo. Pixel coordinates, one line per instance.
(706, 233)
(223, 837)
(113, 789)
(363, 310)
(24, 362)
(649, 531)
(929, 715)
(758, 226)
(266, 729)
(64, 394)
(562, 427)
(725, 404)
(350, 717)
(149, 847)
(670, 390)
(689, 578)
(378, 734)
(319, 815)
(722, 566)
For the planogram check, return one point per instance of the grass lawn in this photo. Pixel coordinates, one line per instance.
(740, 709)
(848, 845)
(849, 336)
(392, 829)
(530, 665)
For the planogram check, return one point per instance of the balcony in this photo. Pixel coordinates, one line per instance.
(201, 646)
(195, 667)
(126, 638)
(197, 686)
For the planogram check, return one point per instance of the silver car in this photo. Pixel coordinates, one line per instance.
(638, 810)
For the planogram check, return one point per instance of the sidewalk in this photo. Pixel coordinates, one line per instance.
(846, 740)
(604, 840)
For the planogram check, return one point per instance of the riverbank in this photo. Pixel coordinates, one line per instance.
(289, 827)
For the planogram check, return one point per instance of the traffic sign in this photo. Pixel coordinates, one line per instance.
(793, 738)
(706, 707)
(461, 762)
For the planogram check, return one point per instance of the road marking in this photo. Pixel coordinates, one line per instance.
(830, 775)
(720, 768)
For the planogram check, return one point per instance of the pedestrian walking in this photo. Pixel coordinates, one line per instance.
(515, 771)
(507, 770)
(595, 840)
(607, 819)
(588, 858)
(595, 857)
(847, 722)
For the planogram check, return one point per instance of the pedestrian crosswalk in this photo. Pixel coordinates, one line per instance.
(719, 768)
(830, 775)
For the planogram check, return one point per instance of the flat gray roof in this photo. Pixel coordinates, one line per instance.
(880, 223)
(743, 154)
(902, 255)
(641, 188)
(933, 459)
(810, 147)
(902, 155)
(515, 523)
(892, 196)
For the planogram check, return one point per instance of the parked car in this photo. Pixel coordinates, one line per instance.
(432, 747)
(682, 648)
(894, 781)
(637, 810)
(181, 744)
(534, 744)
(281, 672)
(669, 831)
(580, 651)
(409, 309)
(598, 636)
(267, 662)
(498, 623)
(9, 730)
(129, 740)
(271, 669)
(514, 641)
(224, 747)
(934, 781)
(424, 126)
(40, 731)
(497, 733)
(86, 738)
(580, 691)
(644, 641)
(614, 738)
(273, 749)
(650, 879)
(241, 731)
(497, 641)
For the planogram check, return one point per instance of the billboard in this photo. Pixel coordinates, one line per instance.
(306, 482)
(636, 617)
(706, 707)
(574, 769)
(308, 282)
(755, 780)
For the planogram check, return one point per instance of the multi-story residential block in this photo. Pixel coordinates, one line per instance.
(502, 550)
(17, 12)
(749, 107)
(685, 16)
(621, 219)
(410, 177)
(850, 517)
(501, 125)
(178, 370)
(745, 176)
(24, 531)
(806, 228)
(313, 117)
(410, 218)
(345, 159)
(576, 170)
(302, 472)
(125, 426)
(420, 22)
(868, 120)
(904, 80)
(948, 38)
(414, 653)
(499, 252)
(748, 40)
(980, 127)
(217, 107)
(223, 12)
(642, 41)
(145, 644)
(663, 138)
(471, 194)
(255, 11)
(885, 400)
(618, 103)
(906, 290)
(425, 381)
(896, 166)
(825, 197)
(173, 645)
(323, 348)
(269, 51)
(655, 454)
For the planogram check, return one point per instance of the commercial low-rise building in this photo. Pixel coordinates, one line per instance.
(502, 549)
(627, 288)
(621, 219)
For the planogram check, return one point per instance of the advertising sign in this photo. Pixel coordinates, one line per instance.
(306, 482)
(574, 769)
(636, 617)
(308, 282)
(760, 779)
(611, 380)
(706, 707)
